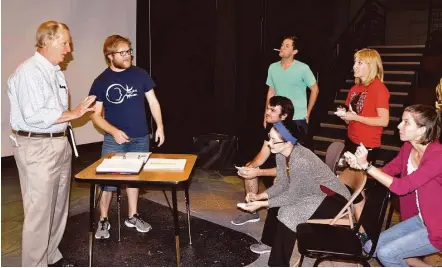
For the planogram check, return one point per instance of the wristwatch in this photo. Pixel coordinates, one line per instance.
(368, 167)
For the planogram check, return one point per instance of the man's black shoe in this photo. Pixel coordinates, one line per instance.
(62, 263)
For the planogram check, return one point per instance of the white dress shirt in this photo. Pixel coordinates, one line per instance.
(38, 94)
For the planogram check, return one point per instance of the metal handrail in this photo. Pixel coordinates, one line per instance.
(353, 26)
(338, 59)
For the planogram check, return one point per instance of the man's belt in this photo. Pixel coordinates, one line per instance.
(40, 135)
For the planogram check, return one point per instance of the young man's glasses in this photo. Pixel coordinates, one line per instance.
(124, 53)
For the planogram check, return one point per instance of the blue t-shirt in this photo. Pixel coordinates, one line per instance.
(122, 95)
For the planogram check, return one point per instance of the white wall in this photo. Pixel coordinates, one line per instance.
(90, 22)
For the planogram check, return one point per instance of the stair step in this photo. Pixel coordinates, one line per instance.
(395, 93)
(322, 153)
(402, 63)
(333, 126)
(395, 105)
(401, 83)
(335, 120)
(320, 138)
(384, 51)
(391, 140)
(392, 118)
(391, 148)
(401, 54)
(394, 98)
(400, 72)
(326, 139)
(395, 46)
(387, 132)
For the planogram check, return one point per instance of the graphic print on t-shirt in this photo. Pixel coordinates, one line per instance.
(116, 93)
(357, 101)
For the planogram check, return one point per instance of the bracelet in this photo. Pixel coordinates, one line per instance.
(368, 168)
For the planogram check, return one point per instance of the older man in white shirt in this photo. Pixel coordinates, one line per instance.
(38, 94)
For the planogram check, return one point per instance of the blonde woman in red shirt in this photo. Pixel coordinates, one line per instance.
(368, 110)
(368, 104)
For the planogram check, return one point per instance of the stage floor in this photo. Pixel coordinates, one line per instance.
(213, 198)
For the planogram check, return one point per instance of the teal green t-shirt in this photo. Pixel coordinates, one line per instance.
(292, 83)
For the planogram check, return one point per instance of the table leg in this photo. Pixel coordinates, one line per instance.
(119, 212)
(177, 227)
(186, 193)
(91, 221)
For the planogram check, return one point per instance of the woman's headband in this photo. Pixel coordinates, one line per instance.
(285, 134)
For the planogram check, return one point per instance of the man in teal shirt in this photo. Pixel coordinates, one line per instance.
(290, 78)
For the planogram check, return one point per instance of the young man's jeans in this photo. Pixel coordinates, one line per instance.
(139, 144)
(302, 124)
(404, 240)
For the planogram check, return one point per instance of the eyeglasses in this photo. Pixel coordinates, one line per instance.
(124, 53)
(274, 142)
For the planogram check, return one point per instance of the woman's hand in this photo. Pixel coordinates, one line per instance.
(250, 197)
(361, 156)
(359, 159)
(253, 206)
(351, 160)
(349, 116)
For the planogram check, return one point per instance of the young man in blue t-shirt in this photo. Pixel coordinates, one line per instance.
(290, 78)
(120, 90)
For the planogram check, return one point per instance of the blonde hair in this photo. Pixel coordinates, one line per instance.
(49, 30)
(373, 59)
(111, 44)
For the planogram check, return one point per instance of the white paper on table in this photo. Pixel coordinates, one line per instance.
(165, 164)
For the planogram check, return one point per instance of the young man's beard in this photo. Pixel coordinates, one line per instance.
(121, 64)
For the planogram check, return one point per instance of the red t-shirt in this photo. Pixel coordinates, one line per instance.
(365, 100)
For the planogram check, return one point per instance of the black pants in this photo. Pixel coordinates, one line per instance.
(302, 134)
(268, 164)
(282, 239)
(373, 153)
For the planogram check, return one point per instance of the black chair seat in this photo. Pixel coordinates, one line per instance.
(327, 239)
(331, 242)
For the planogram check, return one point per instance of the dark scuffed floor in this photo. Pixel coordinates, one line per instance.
(212, 244)
(213, 197)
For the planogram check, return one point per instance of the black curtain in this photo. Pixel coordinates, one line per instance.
(210, 57)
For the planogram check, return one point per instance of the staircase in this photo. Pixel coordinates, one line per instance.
(401, 64)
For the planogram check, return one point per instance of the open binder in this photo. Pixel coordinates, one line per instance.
(133, 155)
(123, 163)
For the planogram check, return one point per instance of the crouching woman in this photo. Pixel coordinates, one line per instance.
(298, 195)
(419, 186)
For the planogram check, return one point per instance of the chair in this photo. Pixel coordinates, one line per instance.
(394, 205)
(333, 154)
(333, 242)
(356, 181)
